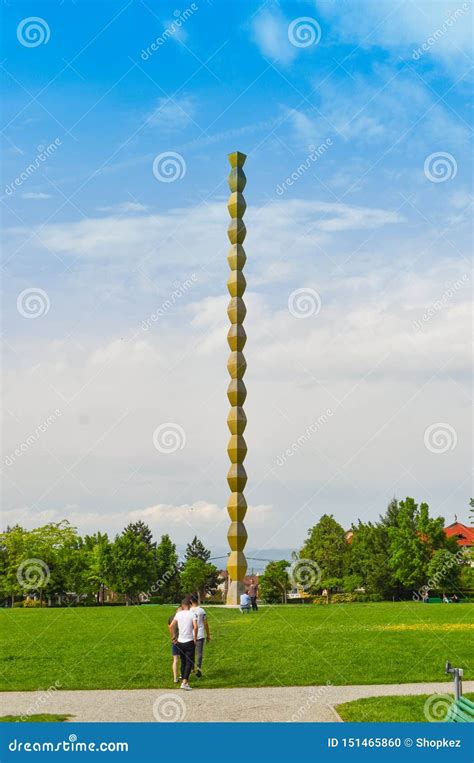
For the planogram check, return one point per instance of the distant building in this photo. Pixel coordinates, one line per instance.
(463, 534)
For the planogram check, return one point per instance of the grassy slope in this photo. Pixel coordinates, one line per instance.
(387, 709)
(128, 647)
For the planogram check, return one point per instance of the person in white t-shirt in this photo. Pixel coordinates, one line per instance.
(187, 626)
(203, 632)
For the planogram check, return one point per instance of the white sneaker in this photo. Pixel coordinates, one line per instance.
(186, 687)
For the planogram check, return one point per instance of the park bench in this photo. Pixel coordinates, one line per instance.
(461, 711)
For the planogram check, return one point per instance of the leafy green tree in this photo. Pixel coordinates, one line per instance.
(198, 576)
(369, 561)
(327, 546)
(131, 567)
(413, 539)
(444, 570)
(390, 518)
(12, 554)
(168, 575)
(39, 562)
(97, 554)
(142, 531)
(274, 583)
(466, 579)
(197, 549)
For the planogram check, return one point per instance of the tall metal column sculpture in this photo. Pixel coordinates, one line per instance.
(236, 392)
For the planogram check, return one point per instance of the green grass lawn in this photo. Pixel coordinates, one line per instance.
(129, 647)
(388, 709)
(40, 718)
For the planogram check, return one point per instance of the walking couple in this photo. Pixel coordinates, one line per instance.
(189, 629)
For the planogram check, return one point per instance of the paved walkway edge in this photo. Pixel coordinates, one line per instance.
(282, 704)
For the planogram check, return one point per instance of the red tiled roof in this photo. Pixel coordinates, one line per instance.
(464, 535)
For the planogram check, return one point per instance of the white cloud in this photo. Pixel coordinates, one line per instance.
(172, 114)
(124, 207)
(362, 357)
(285, 221)
(368, 355)
(270, 33)
(34, 195)
(182, 521)
(403, 27)
(356, 110)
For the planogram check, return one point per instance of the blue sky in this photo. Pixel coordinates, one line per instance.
(376, 224)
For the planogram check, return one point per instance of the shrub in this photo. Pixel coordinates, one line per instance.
(33, 603)
(361, 597)
(343, 598)
(320, 600)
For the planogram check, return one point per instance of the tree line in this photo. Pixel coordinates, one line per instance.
(55, 563)
(401, 556)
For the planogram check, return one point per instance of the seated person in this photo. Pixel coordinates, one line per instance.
(245, 602)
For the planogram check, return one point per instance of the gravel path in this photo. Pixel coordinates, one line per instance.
(286, 704)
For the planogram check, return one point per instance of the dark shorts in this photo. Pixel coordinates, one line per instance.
(175, 650)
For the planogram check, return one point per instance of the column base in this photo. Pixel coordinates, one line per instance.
(236, 589)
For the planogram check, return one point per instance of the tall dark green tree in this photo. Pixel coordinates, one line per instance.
(389, 519)
(369, 559)
(168, 571)
(197, 549)
(141, 530)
